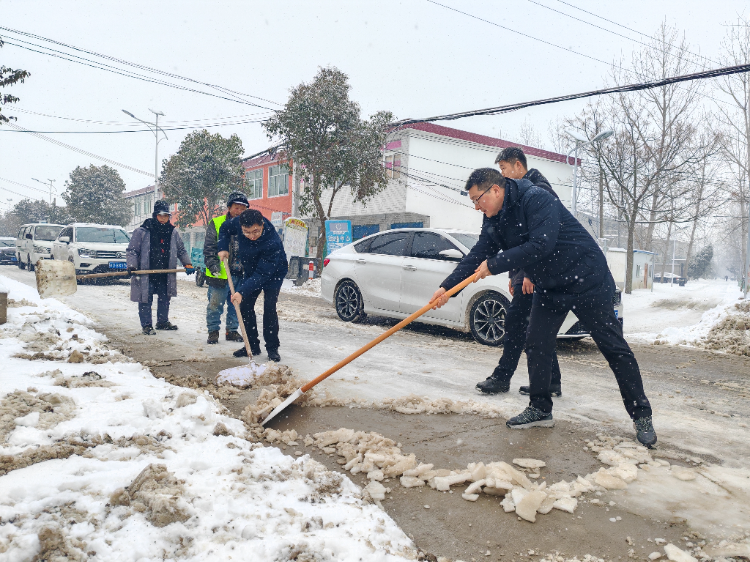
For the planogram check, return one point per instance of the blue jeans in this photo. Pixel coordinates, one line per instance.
(217, 297)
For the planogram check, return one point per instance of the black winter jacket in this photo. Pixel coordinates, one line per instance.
(536, 178)
(263, 260)
(535, 232)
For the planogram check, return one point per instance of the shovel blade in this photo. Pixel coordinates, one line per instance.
(296, 394)
(55, 278)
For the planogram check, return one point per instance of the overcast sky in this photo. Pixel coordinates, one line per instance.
(413, 57)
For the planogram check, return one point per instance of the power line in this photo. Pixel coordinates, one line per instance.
(81, 151)
(133, 130)
(135, 65)
(616, 89)
(126, 73)
(45, 191)
(125, 123)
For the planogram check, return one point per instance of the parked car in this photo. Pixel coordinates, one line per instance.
(394, 273)
(34, 243)
(92, 248)
(8, 250)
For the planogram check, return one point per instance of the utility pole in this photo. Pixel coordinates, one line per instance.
(154, 127)
(50, 187)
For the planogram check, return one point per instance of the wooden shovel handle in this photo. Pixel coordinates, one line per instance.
(116, 273)
(385, 335)
(239, 312)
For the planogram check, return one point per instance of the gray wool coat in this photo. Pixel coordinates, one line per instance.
(139, 253)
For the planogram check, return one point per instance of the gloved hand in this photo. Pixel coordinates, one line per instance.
(131, 269)
(189, 269)
(215, 270)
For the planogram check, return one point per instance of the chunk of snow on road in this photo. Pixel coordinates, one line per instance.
(676, 554)
(529, 463)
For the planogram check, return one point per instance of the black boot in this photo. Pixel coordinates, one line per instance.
(645, 432)
(554, 390)
(213, 337)
(165, 326)
(149, 331)
(531, 417)
(273, 355)
(494, 384)
(242, 352)
(234, 336)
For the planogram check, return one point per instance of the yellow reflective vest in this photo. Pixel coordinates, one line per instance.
(217, 222)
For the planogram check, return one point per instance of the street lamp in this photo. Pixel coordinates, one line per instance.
(581, 141)
(154, 129)
(50, 187)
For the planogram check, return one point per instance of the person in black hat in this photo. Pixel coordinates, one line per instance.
(264, 266)
(156, 245)
(216, 274)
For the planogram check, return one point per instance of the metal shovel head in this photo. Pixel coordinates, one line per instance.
(242, 376)
(55, 278)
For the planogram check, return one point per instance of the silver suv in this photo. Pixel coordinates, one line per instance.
(92, 248)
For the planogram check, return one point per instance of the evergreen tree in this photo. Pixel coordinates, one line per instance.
(700, 266)
(321, 130)
(8, 77)
(94, 194)
(202, 174)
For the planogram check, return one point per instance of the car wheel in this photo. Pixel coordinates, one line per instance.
(200, 278)
(349, 303)
(20, 263)
(487, 319)
(29, 265)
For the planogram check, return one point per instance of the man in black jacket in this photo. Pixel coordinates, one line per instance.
(526, 228)
(512, 162)
(264, 266)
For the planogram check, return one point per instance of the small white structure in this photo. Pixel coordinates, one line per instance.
(643, 267)
(428, 166)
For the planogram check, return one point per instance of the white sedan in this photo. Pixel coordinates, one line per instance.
(394, 273)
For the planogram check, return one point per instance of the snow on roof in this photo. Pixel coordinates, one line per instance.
(485, 140)
(129, 194)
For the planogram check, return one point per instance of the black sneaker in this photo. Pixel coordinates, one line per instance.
(213, 337)
(234, 336)
(165, 326)
(645, 432)
(242, 352)
(531, 417)
(273, 355)
(493, 385)
(554, 390)
(148, 331)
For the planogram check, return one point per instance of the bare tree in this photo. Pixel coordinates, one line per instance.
(735, 118)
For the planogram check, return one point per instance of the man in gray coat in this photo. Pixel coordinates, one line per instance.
(156, 245)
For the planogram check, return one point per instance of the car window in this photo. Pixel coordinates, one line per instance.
(428, 245)
(466, 239)
(66, 232)
(94, 234)
(363, 247)
(390, 244)
(7, 243)
(46, 233)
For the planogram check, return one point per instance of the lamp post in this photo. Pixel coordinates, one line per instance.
(48, 186)
(154, 129)
(581, 141)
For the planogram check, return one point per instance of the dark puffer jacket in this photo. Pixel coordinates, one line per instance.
(263, 260)
(535, 232)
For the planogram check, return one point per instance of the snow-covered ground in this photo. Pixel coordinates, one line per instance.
(309, 289)
(103, 461)
(676, 315)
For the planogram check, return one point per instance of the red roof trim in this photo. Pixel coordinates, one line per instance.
(482, 139)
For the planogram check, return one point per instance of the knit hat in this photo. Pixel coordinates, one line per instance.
(237, 197)
(161, 207)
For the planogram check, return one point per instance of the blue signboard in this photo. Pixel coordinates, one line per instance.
(338, 234)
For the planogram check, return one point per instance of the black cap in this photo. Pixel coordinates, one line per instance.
(237, 197)
(161, 207)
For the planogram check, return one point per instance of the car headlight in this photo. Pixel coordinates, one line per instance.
(40, 250)
(86, 253)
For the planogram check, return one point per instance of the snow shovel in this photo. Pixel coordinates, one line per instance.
(406, 321)
(57, 278)
(244, 374)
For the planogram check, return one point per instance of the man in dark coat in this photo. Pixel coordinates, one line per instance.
(525, 227)
(264, 267)
(512, 162)
(156, 245)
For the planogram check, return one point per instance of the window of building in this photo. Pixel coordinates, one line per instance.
(393, 166)
(254, 183)
(278, 181)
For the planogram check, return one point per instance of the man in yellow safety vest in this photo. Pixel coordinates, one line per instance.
(216, 274)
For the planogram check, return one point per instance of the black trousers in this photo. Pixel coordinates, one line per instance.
(270, 316)
(594, 309)
(157, 285)
(516, 324)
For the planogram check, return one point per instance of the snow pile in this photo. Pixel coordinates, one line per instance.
(732, 332)
(309, 289)
(114, 464)
(242, 376)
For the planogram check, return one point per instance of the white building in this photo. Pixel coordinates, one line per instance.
(428, 165)
(643, 267)
(142, 201)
